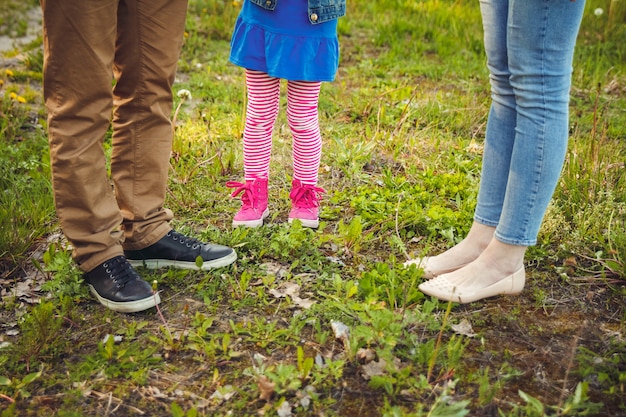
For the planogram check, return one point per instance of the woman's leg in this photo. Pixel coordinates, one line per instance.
(457, 256)
(540, 39)
(500, 133)
(497, 154)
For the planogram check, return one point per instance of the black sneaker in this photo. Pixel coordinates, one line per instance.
(180, 251)
(119, 287)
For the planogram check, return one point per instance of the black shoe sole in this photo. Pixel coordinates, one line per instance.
(127, 306)
(162, 263)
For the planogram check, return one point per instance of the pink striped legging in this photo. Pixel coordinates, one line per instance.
(302, 116)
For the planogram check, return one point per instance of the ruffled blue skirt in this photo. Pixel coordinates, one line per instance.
(284, 44)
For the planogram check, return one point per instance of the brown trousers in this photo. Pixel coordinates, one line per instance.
(87, 45)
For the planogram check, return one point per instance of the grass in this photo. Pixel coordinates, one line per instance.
(328, 322)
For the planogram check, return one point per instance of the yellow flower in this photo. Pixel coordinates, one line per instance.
(21, 99)
(8, 72)
(13, 96)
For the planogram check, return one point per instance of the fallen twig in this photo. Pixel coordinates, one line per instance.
(111, 398)
(6, 397)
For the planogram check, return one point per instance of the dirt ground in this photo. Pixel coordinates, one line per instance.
(540, 333)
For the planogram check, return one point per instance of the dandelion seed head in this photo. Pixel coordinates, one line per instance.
(598, 11)
(184, 94)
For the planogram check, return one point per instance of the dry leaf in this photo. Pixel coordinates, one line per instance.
(285, 289)
(374, 369)
(273, 268)
(258, 358)
(224, 393)
(464, 328)
(335, 260)
(305, 396)
(341, 330)
(292, 290)
(571, 261)
(284, 410)
(84, 389)
(366, 355)
(380, 367)
(266, 387)
(319, 361)
(305, 303)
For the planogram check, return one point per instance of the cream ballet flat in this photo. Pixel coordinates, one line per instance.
(443, 289)
(429, 271)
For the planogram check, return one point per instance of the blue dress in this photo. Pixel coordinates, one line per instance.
(284, 44)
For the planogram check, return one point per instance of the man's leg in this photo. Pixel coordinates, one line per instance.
(149, 40)
(79, 45)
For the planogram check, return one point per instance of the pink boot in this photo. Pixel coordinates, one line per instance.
(305, 203)
(253, 202)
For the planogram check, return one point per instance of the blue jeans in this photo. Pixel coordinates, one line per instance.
(529, 46)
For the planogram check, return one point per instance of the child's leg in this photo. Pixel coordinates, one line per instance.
(261, 112)
(263, 99)
(302, 115)
(302, 98)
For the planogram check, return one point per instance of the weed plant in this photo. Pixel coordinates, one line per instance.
(328, 321)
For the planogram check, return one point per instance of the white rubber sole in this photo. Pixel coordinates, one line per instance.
(163, 263)
(127, 306)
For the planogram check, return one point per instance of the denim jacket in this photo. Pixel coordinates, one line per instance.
(319, 10)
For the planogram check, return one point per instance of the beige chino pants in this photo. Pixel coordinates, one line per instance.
(87, 45)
